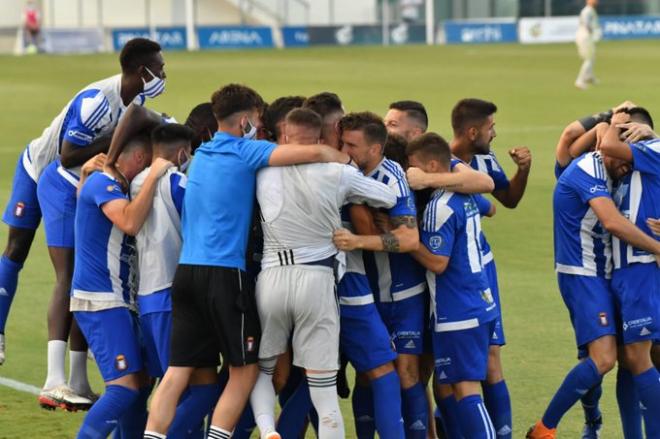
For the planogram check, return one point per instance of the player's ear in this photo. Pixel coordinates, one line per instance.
(472, 133)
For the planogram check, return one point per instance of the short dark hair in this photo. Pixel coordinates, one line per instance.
(277, 111)
(414, 110)
(324, 103)
(369, 123)
(140, 140)
(233, 98)
(201, 120)
(641, 114)
(469, 112)
(169, 135)
(395, 149)
(136, 52)
(304, 117)
(431, 146)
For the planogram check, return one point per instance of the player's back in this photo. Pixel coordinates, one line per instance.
(451, 227)
(394, 276)
(92, 112)
(582, 245)
(159, 240)
(300, 211)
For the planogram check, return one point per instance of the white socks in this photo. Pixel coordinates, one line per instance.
(56, 357)
(262, 398)
(153, 435)
(323, 390)
(78, 380)
(219, 433)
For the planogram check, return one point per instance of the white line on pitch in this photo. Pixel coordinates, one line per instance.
(17, 385)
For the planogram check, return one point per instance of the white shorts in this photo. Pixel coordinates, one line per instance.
(299, 300)
(586, 48)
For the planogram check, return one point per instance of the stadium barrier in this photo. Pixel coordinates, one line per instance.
(234, 37)
(398, 34)
(170, 38)
(547, 30)
(481, 31)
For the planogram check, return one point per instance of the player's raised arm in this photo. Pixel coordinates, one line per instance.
(285, 155)
(136, 119)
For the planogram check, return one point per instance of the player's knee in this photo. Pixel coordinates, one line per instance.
(637, 357)
(408, 374)
(18, 244)
(604, 360)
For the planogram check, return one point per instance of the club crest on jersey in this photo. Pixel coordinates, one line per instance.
(120, 363)
(111, 187)
(602, 317)
(435, 242)
(249, 344)
(19, 210)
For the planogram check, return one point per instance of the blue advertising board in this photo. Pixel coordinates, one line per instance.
(480, 32)
(234, 37)
(630, 28)
(170, 38)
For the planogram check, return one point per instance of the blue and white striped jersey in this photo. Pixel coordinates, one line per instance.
(353, 288)
(93, 111)
(582, 245)
(103, 253)
(460, 296)
(394, 276)
(638, 198)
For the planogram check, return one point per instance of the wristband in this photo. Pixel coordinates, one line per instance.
(589, 122)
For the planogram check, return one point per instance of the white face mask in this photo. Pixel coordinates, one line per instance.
(249, 131)
(154, 87)
(183, 166)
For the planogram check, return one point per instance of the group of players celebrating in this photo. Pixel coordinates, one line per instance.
(299, 239)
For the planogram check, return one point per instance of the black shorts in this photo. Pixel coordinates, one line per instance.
(213, 312)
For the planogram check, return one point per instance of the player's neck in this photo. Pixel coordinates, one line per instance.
(129, 90)
(461, 148)
(372, 166)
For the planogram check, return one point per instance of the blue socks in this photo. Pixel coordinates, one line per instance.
(590, 402)
(449, 412)
(363, 411)
(415, 411)
(578, 382)
(192, 409)
(498, 403)
(628, 402)
(8, 281)
(474, 418)
(292, 419)
(648, 388)
(104, 415)
(134, 421)
(387, 406)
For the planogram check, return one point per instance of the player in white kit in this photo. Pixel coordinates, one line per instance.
(588, 34)
(296, 287)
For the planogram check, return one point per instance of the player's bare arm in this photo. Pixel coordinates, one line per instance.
(72, 155)
(96, 163)
(285, 155)
(136, 119)
(462, 179)
(571, 133)
(635, 131)
(434, 263)
(129, 216)
(511, 196)
(403, 238)
(615, 223)
(612, 145)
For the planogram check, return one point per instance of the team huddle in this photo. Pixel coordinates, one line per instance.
(244, 258)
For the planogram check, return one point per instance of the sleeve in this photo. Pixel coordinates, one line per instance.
(359, 189)
(559, 169)
(439, 229)
(453, 164)
(178, 189)
(646, 156)
(104, 189)
(587, 186)
(497, 173)
(483, 204)
(405, 199)
(256, 153)
(88, 114)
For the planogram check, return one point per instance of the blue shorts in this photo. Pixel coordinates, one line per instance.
(427, 333)
(113, 338)
(156, 328)
(497, 337)
(22, 209)
(405, 321)
(57, 199)
(590, 304)
(636, 290)
(462, 355)
(363, 337)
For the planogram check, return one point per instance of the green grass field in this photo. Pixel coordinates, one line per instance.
(532, 86)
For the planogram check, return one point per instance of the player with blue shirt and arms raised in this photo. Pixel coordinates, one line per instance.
(102, 285)
(636, 276)
(584, 218)
(213, 304)
(463, 311)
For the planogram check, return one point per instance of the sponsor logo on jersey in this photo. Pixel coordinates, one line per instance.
(19, 210)
(120, 362)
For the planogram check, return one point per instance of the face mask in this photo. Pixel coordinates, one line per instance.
(154, 87)
(249, 131)
(183, 166)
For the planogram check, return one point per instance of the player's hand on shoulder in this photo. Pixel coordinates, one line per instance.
(633, 132)
(521, 156)
(159, 166)
(112, 170)
(344, 240)
(96, 163)
(417, 179)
